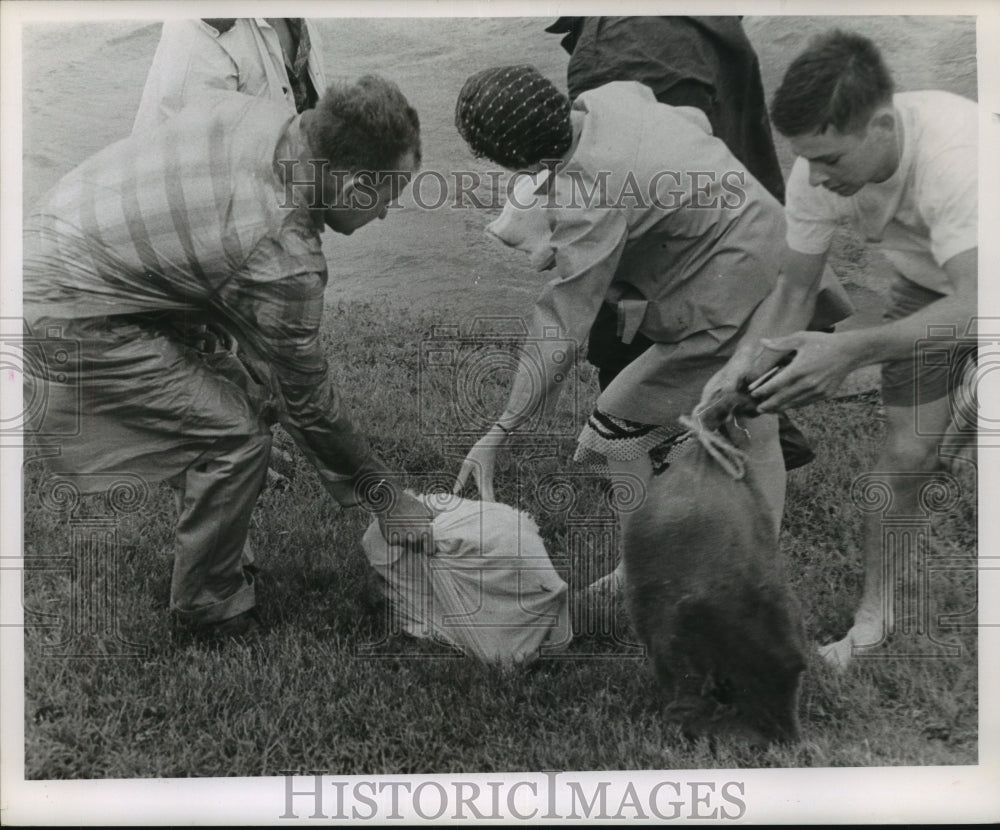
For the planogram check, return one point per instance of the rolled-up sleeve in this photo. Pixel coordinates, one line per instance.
(278, 320)
(811, 219)
(588, 247)
(948, 199)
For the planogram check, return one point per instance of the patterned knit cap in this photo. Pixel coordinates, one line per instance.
(514, 116)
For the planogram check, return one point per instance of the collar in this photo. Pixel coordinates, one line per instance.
(902, 160)
(220, 25)
(576, 119)
(292, 146)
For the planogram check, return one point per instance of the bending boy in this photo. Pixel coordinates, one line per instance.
(902, 169)
(215, 218)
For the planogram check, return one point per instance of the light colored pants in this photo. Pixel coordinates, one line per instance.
(135, 399)
(216, 496)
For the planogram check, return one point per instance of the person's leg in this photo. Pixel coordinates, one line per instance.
(214, 562)
(905, 456)
(911, 396)
(765, 459)
(593, 607)
(149, 405)
(626, 475)
(248, 558)
(217, 498)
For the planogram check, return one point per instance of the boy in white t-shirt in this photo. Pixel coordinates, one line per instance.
(903, 170)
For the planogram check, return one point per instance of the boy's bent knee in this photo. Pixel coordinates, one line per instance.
(910, 453)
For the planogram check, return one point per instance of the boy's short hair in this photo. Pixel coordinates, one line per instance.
(364, 125)
(839, 81)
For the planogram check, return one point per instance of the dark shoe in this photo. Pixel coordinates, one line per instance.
(243, 628)
(795, 447)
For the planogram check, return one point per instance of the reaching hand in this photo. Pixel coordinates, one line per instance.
(727, 391)
(820, 364)
(724, 383)
(407, 522)
(480, 463)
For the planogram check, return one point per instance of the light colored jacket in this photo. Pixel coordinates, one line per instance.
(193, 56)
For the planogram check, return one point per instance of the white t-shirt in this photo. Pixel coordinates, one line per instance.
(922, 215)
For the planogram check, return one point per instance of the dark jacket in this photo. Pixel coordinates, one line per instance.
(706, 62)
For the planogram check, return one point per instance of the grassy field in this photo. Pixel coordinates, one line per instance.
(330, 689)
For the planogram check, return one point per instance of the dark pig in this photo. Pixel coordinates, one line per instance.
(707, 597)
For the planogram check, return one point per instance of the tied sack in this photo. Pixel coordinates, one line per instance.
(717, 496)
(489, 588)
(708, 528)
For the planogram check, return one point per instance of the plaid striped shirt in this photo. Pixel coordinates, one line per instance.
(193, 218)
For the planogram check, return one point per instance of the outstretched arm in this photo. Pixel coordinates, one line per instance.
(788, 308)
(823, 360)
(589, 246)
(278, 321)
(543, 365)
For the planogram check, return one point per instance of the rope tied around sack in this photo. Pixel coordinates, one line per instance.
(732, 459)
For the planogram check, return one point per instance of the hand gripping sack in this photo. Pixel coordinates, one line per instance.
(489, 588)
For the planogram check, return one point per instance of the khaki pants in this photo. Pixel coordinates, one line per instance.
(135, 399)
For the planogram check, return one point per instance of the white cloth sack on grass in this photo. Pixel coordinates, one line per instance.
(489, 588)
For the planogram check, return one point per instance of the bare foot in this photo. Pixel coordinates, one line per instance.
(606, 587)
(594, 606)
(865, 634)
